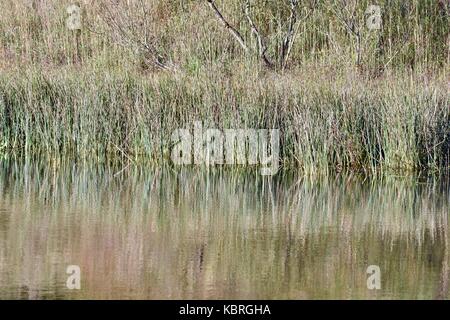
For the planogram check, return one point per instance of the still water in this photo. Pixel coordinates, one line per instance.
(191, 233)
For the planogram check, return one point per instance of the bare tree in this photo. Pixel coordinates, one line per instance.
(129, 24)
(290, 35)
(234, 32)
(346, 13)
(261, 51)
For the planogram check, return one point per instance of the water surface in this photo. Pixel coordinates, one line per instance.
(190, 233)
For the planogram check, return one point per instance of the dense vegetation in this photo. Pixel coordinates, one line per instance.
(345, 97)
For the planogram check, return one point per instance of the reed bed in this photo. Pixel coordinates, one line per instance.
(92, 99)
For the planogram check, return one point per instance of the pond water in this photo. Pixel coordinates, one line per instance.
(191, 233)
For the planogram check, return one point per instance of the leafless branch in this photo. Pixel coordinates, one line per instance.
(134, 31)
(289, 39)
(286, 47)
(346, 13)
(292, 31)
(262, 49)
(227, 25)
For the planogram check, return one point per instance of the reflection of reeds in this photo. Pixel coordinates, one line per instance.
(192, 234)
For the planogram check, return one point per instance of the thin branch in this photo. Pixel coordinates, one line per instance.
(125, 31)
(289, 39)
(348, 19)
(292, 32)
(228, 26)
(262, 49)
(287, 44)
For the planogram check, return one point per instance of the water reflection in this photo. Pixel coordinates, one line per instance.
(196, 234)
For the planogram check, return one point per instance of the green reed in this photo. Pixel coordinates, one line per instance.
(348, 126)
